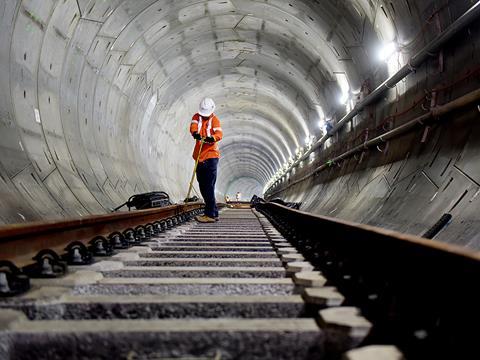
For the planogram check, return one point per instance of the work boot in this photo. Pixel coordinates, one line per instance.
(204, 219)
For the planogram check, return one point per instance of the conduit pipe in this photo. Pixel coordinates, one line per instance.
(415, 61)
(432, 116)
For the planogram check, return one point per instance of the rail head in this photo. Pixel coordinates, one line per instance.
(13, 231)
(19, 243)
(377, 233)
(419, 293)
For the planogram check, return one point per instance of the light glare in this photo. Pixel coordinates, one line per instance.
(387, 51)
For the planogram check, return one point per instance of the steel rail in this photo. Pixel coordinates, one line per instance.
(415, 61)
(19, 243)
(421, 295)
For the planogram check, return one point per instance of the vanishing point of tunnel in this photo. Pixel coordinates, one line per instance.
(96, 99)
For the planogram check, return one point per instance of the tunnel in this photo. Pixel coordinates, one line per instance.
(362, 110)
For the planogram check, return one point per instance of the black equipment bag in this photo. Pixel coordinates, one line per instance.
(256, 200)
(292, 205)
(147, 201)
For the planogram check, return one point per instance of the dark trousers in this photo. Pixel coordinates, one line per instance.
(207, 176)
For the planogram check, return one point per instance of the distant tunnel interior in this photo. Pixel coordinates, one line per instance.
(96, 98)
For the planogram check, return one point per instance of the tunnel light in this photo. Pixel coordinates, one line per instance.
(322, 124)
(298, 152)
(387, 51)
(343, 99)
(309, 140)
(344, 87)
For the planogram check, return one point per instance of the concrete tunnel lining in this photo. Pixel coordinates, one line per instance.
(96, 96)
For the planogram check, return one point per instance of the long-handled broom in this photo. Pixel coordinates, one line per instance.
(187, 199)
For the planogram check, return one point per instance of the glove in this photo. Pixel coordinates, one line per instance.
(197, 136)
(210, 139)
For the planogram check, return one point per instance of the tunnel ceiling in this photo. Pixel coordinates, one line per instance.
(97, 96)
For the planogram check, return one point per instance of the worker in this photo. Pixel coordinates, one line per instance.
(205, 125)
(328, 125)
(238, 196)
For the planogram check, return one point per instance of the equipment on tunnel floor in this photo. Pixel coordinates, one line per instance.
(292, 205)
(255, 200)
(149, 200)
(191, 199)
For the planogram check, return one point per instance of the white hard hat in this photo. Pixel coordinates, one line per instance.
(207, 107)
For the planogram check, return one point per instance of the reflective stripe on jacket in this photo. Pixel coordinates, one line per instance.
(206, 127)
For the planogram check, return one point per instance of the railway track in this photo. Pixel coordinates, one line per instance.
(267, 283)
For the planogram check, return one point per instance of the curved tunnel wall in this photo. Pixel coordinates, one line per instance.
(409, 182)
(96, 96)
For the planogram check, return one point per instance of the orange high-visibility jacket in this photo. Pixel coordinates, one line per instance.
(206, 127)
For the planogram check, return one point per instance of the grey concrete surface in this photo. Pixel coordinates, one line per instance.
(197, 281)
(130, 339)
(205, 262)
(215, 243)
(155, 306)
(191, 288)
(196, 271)
(208, 254)
(211, 248)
